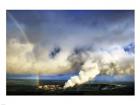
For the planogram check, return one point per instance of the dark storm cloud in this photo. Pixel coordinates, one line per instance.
(54, 52)
(53, 27)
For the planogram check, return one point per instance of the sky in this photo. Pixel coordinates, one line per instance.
(54, 42)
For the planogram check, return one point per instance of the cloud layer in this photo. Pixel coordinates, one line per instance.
(54, 42)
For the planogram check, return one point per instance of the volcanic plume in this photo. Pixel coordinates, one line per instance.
(88, 72)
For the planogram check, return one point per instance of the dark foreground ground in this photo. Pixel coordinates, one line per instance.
(29, 87)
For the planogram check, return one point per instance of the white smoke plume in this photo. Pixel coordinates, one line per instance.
(88, 72)
(116, 62)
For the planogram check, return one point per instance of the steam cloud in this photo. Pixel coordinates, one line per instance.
(114, 62)
(88, 72)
